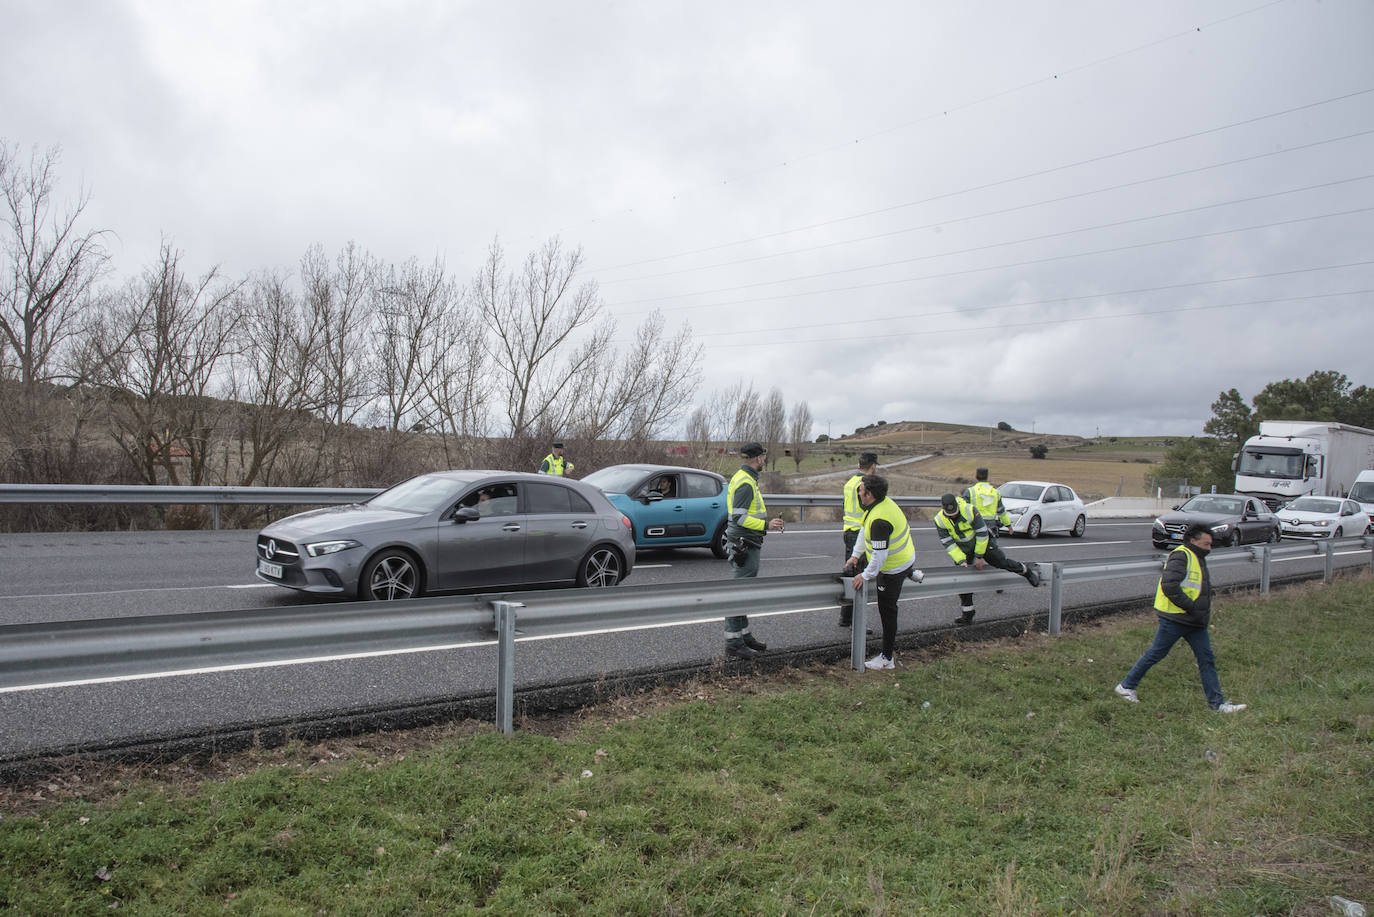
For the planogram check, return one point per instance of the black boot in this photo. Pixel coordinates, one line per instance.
(738, 649)
(753, 644)
(1031, 575)
(966, 618)
(847, 616)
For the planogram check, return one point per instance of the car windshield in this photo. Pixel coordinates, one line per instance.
(424, 494)
(1315, 505)
(1016, 490)
(616, 479)
(1363, 491)
(1211, 503)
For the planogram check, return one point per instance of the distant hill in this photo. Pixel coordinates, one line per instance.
(950, 437)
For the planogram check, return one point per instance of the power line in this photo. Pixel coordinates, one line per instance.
(850, 322)
(1026, 263)
(999, 182)
(891, 334)
(987, 213)
(978, 248)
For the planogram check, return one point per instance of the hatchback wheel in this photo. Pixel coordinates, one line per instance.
(1033, 529)
(602, 566)
(1338, 533)
(390, 575)
(1274, 535)
(718, 542)
(1080, 525)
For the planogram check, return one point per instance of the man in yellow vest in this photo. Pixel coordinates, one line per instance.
(1183, 604)
(965, 537)
(744, 532)
(986, 499)
(854, 519)
(554, 463)
(891, 550)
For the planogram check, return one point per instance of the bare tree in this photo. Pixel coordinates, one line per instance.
(542, 334)
(49, 268)
(163, 348)
(414, 301)
(799, 431)
(456, 384)
(339, 300)
(774, 423)
(631, 396)
(742, 405)
(271, 380)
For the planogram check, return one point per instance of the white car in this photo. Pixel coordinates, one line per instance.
(1042, 506)
(1323, 517)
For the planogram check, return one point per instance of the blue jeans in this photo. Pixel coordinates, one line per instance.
(1166, 636)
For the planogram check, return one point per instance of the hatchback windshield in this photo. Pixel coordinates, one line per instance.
(1211, 503)
(1015, 491)
(1315, 505)
(424, 494)
(615, 480)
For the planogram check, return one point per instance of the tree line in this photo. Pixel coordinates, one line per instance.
(347, 370)
(1325, 395)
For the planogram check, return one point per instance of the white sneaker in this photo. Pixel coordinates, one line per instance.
(1231, 708)
(917, 575)
(1128, 693)
(880, 662)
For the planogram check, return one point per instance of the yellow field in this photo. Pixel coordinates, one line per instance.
(1092, 478)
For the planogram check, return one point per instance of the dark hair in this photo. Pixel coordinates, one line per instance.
(868, 458)
(982, 474)
(1194, 530)
(876, 485)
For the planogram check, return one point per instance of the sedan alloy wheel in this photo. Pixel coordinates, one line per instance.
(389, 576)
(601, 567)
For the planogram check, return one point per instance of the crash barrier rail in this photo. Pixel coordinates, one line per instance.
(215, 497)
(68, 653)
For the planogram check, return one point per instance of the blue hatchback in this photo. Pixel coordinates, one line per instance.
(668, 506)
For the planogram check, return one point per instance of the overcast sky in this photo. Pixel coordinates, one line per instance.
(1072, 216)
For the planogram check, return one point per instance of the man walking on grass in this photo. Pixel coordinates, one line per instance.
(1183, 604)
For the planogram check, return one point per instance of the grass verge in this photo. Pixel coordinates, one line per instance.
(1002, 779)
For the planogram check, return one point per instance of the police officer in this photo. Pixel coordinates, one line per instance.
(745, 532)
(891, 550)
(554, 463)
(965, 536)
(986, 499)
(854, 520)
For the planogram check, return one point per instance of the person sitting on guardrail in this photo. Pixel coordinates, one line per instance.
(1183, 604)
(965, 537)
(891, 550)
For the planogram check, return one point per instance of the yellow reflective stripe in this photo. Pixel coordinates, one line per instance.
(1191, 585)
(853, 512)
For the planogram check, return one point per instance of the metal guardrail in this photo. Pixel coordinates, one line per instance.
(67, 653)
(215, 497)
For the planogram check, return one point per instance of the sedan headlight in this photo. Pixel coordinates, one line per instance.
(321, 548)
(1222, 529)
(1321, 523)
(1016, 510)
(1159, 525)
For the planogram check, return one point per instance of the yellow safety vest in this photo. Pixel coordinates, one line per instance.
(853, 511)
(960, 528)
(1191, 585)
(755, 519)
(900, 548)
(985, 500)
(557, 465)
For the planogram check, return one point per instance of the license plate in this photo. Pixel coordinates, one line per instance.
(1177, 536)
(272, 570)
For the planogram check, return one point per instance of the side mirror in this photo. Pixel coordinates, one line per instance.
(1175, 507)
(466, 514)
(652, 496)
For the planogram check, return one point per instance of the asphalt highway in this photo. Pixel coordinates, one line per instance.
(105, 575)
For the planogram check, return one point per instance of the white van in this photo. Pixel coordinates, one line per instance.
(1363, 491)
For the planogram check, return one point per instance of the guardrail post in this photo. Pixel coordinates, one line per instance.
(1266, 555)
(858, 631)
(1056, 598)
(214, 516)
(505, 663)
(1330, 560)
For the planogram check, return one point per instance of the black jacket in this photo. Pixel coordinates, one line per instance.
(1199, 609)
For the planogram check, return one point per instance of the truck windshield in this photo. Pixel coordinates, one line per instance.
(1363, 491)
(1261, 464)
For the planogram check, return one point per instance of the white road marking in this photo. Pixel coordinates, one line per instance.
(1047, 545)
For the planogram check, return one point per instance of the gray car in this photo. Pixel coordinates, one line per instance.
(453, 531)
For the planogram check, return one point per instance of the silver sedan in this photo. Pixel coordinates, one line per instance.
(452, 531)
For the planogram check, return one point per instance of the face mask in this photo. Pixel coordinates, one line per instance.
(1201, 552)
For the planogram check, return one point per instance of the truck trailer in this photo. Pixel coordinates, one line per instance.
(1293, 458)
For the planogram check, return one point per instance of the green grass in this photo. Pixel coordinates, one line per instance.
(1025, 787)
